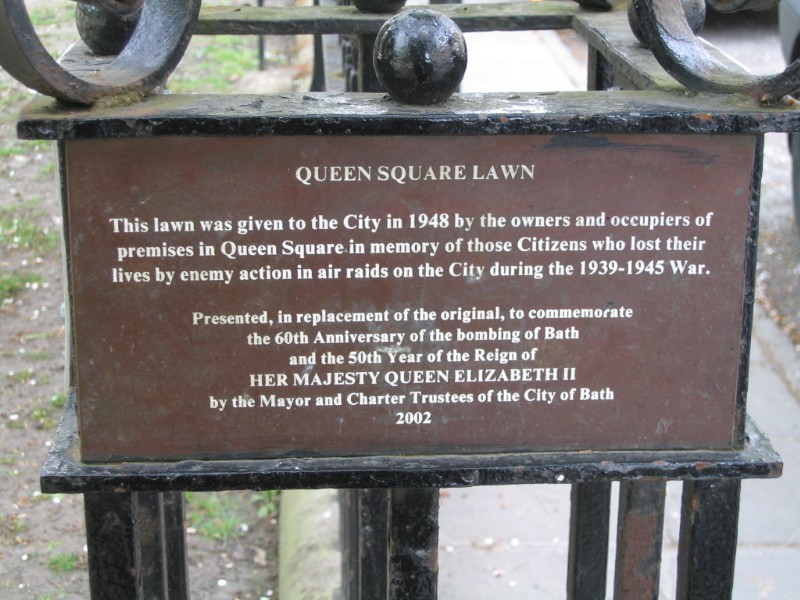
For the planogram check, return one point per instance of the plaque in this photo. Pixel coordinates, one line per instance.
(237, 297)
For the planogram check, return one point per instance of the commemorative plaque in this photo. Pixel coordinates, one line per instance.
(368, 295)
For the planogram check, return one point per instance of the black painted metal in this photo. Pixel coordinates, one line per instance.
(364, 543)
(693, 10)
(63, 472)
(413, 544)
(374, 114)
(420, 69)
(373, 548)
(389, 543)
(318, 75)
(601, 75)
(261, 62)
(106, 32)
(156, 47)
(136, 545)
(134, 511)
(379, 6)
(166, 28)
(707, 548)
(666, 33)
(366, 78)
(348, 539)
(588, 541)
(119, 7)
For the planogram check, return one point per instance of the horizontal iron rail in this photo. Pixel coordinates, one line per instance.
(611, 36)
(374, 114)
(256, 20)
(63, 472)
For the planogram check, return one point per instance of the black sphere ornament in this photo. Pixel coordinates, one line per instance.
(103, 31)
(379, 6)
(420, 57)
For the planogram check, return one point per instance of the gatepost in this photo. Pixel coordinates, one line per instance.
(392, 294)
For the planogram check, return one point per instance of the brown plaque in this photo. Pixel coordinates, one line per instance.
(332, 295)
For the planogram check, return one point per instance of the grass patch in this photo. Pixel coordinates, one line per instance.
(45, 417)
(268, 503)
(55, 26)
(214, 63)
(21, 377)
(13, 283)
(12, 150)
(215, 515)
(59, 400)
(46, 16)
(218, 515)
(12, 526)
(31, 205)
(20, 233)
(66, 562)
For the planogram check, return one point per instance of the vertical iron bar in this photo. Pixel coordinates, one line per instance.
(413, 544)
(174, 532)
(111, 545)
(373, 543)
(588, 541)
(348, 534)
(136, 545)
(707, 547)
(600, 74)
(367, 79)
(261, 64)
(318, 75)
(640, 529)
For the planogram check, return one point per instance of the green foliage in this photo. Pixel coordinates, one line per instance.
(14, 282)
(12, 526)
(215, 62)
(66, 562)
(58, 400)
(214, 515)
(19, 233)
(49, 15)
(219, 515)
(267, 503)
(22, 233)
(12, 150)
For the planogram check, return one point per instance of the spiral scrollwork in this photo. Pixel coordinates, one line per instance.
(155, 48)
(665, 31)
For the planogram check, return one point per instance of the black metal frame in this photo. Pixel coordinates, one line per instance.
(134, 511)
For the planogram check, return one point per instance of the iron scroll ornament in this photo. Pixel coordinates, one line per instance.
(156, 47)
(665, 31)
(165, 28)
